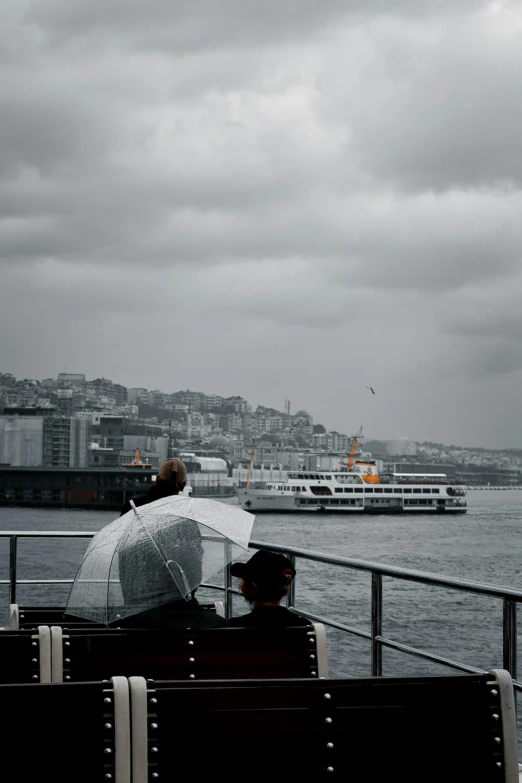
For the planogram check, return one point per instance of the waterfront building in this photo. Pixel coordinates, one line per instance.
(212, 401)
(46, 441)
(71, 379)
(401, 447)
(21, 440)
(137, 395)
(108, 434)
(152, 450)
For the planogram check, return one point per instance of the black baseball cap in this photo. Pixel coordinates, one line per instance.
(265, 567)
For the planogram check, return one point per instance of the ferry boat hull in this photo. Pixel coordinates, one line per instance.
(259, 500)
(359, 489)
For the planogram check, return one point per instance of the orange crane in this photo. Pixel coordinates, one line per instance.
(351, 456)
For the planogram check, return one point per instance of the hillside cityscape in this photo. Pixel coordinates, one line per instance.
(72, 422)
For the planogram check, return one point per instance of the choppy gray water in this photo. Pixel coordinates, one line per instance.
(485, 545)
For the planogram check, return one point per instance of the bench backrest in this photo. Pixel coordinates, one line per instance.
(452, 729)
(183, 654)
(78, 732)
(32, 616)
(25, 656)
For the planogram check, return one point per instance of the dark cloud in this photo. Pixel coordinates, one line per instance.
(316, 195)
(496, 357)
(203, 24)
(440, 107)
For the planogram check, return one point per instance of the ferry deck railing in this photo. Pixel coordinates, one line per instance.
(509, 597)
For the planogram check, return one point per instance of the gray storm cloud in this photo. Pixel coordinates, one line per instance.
(323, 195)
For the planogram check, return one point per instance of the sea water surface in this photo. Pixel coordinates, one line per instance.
(483, 545)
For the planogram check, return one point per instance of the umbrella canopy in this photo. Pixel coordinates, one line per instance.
(156, 554)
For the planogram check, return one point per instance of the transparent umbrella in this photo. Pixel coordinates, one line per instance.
(156, 554)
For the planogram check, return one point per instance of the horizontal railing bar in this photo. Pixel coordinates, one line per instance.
(47, 533)
(73, 534)
(405, 648)
(331, 623)
(39, 581)
(408, 574)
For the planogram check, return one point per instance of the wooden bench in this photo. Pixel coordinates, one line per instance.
(414, 730)
(64, 733)
(33, 616)
(183, 654)
(25, 656)
(21, 617)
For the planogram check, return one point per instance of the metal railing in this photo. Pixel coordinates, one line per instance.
(509, 597)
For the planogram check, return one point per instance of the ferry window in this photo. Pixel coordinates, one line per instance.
(397, 491)
(358, 490)
(348, 489)
(379, 489)
(370, 489)
(303, 489)
(436, 491)
(338, 489)
(417, 491)
(426, 491)
(408, 491)
(300, 476)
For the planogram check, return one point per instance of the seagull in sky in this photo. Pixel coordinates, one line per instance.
(371, 389)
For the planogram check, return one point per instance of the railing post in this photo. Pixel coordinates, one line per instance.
(13, 547)
(376, 624)
(290, 598)
(510, 637)
(228, 581)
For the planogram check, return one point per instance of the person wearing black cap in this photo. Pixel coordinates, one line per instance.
(265, 579)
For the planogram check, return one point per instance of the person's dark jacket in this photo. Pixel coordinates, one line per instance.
(161, 489)
(269, 617)
(177, 614)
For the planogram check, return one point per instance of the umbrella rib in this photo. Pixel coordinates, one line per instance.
(161, 554)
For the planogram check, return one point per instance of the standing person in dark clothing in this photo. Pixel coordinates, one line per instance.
(171, 480)
(265, 579)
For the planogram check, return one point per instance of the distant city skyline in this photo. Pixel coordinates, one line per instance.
(286, 406)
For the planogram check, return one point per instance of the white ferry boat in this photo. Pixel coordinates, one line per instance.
(357, 490)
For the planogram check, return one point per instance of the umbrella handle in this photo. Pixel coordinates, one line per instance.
(187, 592)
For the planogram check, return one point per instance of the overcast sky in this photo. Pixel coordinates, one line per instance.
(271, 198)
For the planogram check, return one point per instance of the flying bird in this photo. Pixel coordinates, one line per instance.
(371, 389)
